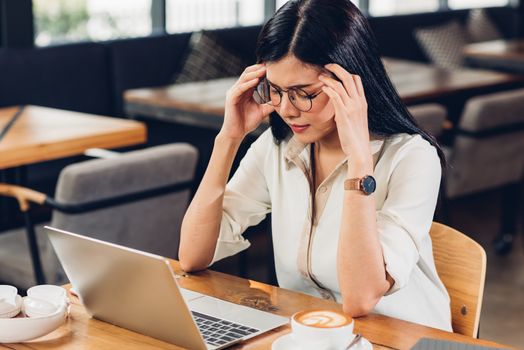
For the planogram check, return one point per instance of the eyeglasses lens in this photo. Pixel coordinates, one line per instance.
(265, 94)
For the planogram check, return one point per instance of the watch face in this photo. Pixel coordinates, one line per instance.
(369, 184)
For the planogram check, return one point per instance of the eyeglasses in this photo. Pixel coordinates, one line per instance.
(265, 93)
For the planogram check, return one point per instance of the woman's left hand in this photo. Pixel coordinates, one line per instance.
(351, 112)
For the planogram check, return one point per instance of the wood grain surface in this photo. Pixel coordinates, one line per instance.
(42, 134)
(461, 265)
(508, 50)
(415, 82)
(83, 332)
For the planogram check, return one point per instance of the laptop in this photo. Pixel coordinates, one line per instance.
(139, 291)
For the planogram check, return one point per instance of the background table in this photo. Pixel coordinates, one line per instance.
(419, 82)
(507, 55)
(202, 103)
(42, 134)
(82, 332)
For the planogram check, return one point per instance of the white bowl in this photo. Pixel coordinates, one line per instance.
(15, 330)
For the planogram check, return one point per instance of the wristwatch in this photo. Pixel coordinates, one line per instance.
(366, 184)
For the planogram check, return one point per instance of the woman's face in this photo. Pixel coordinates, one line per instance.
(318, 122)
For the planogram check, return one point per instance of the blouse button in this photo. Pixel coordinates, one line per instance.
(322, 189)
(326, 295)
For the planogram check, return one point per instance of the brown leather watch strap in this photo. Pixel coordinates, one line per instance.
(352, 184)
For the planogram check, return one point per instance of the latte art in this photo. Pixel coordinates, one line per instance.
(323, 319)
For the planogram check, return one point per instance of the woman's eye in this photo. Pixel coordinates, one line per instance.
(303, 95)
(274, 91)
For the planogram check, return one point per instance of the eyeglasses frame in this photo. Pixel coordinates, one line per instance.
(281, 92)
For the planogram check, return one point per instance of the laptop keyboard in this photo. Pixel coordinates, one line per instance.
(219, 332)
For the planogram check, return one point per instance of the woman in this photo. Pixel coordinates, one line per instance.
(350, 179)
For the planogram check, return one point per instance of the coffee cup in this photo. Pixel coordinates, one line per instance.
(44, 300)
(322, 329)
(10, 302)
(53, 294)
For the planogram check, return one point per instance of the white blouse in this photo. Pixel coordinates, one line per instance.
(274, 178)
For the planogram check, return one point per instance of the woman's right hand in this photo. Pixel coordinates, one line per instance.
(242, 113)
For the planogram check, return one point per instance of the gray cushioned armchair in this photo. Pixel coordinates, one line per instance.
(488, 153)
(136, 199)
(431, 117)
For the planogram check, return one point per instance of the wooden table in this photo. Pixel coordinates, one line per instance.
(198, 104)
(42, 134)
(420, 82)
(82, 332)
(505, 55)
(202, 103)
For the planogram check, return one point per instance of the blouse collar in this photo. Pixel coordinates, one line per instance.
(294, 148)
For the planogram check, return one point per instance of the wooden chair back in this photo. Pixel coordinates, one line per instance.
(461, 265)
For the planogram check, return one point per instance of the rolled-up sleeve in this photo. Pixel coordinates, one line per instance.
(246, 199)
(406, 216)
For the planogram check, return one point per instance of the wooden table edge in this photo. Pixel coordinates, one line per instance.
(382, 331)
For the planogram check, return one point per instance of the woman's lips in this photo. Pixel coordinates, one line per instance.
(299, 128)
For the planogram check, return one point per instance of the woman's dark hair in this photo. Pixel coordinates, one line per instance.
(319, 32)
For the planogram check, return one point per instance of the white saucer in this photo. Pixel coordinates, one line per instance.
(286, 342)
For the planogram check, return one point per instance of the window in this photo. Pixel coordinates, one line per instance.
(60, 21)
(392, 7)
(280, 3)
(397, 7)
(192, 15)
(461, 4)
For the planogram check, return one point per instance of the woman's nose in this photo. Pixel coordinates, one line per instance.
(287, 109)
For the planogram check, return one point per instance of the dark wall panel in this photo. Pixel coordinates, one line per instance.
(1, 23)
(16, 21)
(396, 38)
(143, 62)
(74, 77)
